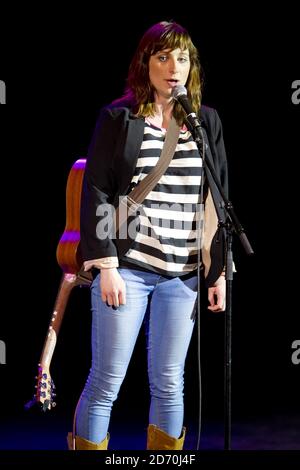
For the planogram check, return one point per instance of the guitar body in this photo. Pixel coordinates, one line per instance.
(68, 250)
(69, 259)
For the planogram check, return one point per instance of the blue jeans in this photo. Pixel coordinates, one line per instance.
(114, 332)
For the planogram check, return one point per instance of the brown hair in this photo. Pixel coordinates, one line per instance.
(163, 35)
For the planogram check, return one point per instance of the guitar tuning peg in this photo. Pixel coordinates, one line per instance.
(46, 405)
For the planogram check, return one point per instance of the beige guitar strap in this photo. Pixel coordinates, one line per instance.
(133, 201)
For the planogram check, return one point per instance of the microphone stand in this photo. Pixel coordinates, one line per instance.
(231, 225)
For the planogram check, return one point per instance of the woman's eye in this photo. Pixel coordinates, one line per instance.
(181, 60)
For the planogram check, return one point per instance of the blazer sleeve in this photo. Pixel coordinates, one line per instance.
(98, 191)
(214, 236)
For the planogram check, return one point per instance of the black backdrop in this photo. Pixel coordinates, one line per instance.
(59, 70)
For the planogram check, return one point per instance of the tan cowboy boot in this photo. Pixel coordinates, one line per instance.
(160, 440)
(79, 443)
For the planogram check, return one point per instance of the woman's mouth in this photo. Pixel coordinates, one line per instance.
(172, 83)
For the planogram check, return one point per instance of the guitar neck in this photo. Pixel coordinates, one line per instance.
(67, 283)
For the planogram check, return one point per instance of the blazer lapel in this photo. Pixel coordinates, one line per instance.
(133, 142)
(212, 185)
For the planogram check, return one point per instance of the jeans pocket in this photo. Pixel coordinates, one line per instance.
(189, 285)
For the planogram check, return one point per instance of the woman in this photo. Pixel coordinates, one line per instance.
(152, 276)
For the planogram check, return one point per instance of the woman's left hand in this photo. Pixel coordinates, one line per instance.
(217, 295)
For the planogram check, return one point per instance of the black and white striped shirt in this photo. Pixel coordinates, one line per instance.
(166, 240)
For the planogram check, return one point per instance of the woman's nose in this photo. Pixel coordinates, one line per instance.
(173, 65)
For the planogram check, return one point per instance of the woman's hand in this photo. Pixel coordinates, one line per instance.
(113, 288)
(217, 295)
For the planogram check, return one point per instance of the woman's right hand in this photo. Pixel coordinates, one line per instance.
(113, 288)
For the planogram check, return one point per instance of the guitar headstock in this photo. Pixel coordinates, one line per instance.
(45, 389)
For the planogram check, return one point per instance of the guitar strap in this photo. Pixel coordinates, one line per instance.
(130, 203)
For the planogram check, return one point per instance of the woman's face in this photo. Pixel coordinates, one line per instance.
(167, 69)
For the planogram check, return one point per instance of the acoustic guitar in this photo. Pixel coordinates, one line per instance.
(68, 256)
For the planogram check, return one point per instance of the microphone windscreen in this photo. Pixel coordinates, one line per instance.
(179, 90)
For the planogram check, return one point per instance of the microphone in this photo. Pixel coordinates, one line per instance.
(179, 94)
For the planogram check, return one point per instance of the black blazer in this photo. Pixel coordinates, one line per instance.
(110, 165)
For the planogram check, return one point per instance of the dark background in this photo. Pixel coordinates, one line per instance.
(59, 70)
